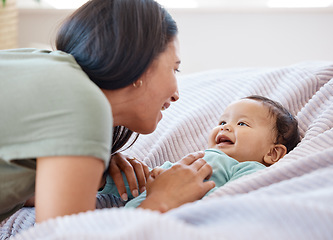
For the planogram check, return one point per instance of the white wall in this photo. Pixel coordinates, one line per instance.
(222, 38)
(253, 39)
(37, 27)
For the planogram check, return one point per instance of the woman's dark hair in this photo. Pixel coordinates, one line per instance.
(286, 124)
(115, 41)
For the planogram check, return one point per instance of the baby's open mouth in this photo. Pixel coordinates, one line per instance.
(224, 140)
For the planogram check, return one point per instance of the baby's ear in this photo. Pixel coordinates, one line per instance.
(275, 154)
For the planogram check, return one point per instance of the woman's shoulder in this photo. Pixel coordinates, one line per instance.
(33, 54)
(51, 82)
(51, 72)
(31, 60)
(54, 103)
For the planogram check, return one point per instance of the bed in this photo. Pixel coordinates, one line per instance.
(292, 199)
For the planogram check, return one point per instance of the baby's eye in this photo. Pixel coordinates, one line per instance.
(223, 123)
(176, 70)
(242, 124)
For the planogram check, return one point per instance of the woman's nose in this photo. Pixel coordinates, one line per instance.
(175, 96)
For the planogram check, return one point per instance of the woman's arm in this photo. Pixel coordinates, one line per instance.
(66, 185)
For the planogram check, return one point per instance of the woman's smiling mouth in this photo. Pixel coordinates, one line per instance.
(165, 106)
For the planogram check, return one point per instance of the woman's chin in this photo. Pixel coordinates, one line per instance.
(148, 129)
(149, 126)
(153, 126)
(160, 116)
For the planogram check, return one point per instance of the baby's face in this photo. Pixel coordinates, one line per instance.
(245, 131)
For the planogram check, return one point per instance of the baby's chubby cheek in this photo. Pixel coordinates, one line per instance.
(212, 136)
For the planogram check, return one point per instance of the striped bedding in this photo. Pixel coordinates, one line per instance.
(293, 199)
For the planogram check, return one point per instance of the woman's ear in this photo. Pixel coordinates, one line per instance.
(275, 154)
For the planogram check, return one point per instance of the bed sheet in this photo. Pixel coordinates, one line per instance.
(291, 199)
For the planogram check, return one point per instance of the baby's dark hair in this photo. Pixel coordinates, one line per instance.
(286, 124)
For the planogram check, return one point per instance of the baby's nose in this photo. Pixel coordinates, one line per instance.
(226, 127)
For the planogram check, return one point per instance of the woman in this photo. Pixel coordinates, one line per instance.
(115, 66)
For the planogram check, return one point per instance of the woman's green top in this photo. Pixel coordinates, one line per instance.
(48, 107)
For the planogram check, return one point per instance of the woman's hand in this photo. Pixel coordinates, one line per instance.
(184, 182)
(136, 173)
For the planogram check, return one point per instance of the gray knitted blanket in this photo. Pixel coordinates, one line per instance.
(292, 199)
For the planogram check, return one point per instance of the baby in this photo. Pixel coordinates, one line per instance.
(253, 133)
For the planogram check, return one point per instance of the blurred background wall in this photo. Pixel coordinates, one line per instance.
(213, 38)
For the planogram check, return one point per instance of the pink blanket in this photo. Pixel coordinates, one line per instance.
(293, 199)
